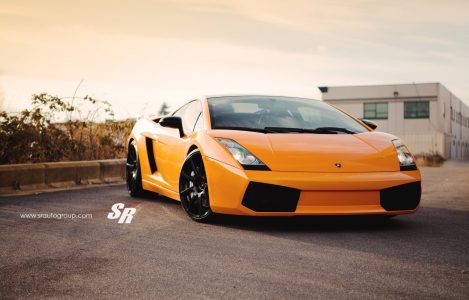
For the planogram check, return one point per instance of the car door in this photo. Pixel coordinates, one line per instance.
(172, 147)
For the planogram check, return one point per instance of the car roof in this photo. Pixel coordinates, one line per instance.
(252, 95)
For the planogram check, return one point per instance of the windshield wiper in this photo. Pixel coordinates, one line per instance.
(334, 129)
(285, 129)
(244, 129)
(319, 130)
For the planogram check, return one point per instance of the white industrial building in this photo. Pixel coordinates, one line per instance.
(427, 116)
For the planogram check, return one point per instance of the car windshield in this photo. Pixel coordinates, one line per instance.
(270, 114)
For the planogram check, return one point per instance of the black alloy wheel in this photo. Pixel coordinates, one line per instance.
(132, 172)
(193, 188)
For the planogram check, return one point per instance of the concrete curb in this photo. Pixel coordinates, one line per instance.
(31, 177)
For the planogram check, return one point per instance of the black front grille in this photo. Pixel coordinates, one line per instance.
(409, 168)
(401, 197)
(263, 197)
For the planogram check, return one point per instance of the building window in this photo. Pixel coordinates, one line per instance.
(417, 110)
(375, 111)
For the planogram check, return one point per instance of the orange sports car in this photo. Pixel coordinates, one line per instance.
(271, 156)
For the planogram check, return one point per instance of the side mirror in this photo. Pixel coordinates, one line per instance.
(172, 122)
(369, 123)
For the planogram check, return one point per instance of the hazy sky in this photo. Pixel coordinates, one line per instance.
(138, 53)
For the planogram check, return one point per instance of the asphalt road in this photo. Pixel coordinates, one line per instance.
(164, 254)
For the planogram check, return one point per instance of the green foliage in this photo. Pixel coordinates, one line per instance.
(56, 129)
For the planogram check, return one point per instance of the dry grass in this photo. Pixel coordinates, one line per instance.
(34, 136)
(430, 160)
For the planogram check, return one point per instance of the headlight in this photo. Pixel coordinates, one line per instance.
(248, 160)
(406, 161)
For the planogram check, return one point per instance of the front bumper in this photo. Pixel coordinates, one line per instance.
(270, 193)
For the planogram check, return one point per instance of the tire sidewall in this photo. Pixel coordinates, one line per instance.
(209, 215)
(135, 187)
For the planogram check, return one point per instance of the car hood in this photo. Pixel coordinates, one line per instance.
(292, 152)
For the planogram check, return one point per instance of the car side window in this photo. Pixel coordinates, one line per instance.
(189, 114)
(180, 111)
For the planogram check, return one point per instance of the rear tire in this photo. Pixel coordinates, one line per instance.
(133, 174)
(193, 188)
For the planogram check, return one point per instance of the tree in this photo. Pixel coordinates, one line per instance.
(164, 109)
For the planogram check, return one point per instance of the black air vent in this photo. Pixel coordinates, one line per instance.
(151, 155)
(401, 197)
(263, 197)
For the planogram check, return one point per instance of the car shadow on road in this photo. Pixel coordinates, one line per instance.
(313, 223)
(155, 197)
(425, 218)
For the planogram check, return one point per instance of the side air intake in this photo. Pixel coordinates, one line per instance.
(151, 155)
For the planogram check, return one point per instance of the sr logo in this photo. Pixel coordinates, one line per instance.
(126, 215)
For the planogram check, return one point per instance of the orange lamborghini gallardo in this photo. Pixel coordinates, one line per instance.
(271, 156)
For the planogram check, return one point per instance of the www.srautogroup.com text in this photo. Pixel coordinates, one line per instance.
(56, 216)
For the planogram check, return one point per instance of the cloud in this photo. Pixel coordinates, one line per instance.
(168, 50)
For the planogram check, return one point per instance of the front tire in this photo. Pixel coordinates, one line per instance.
(193, 188)
(133, 174)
